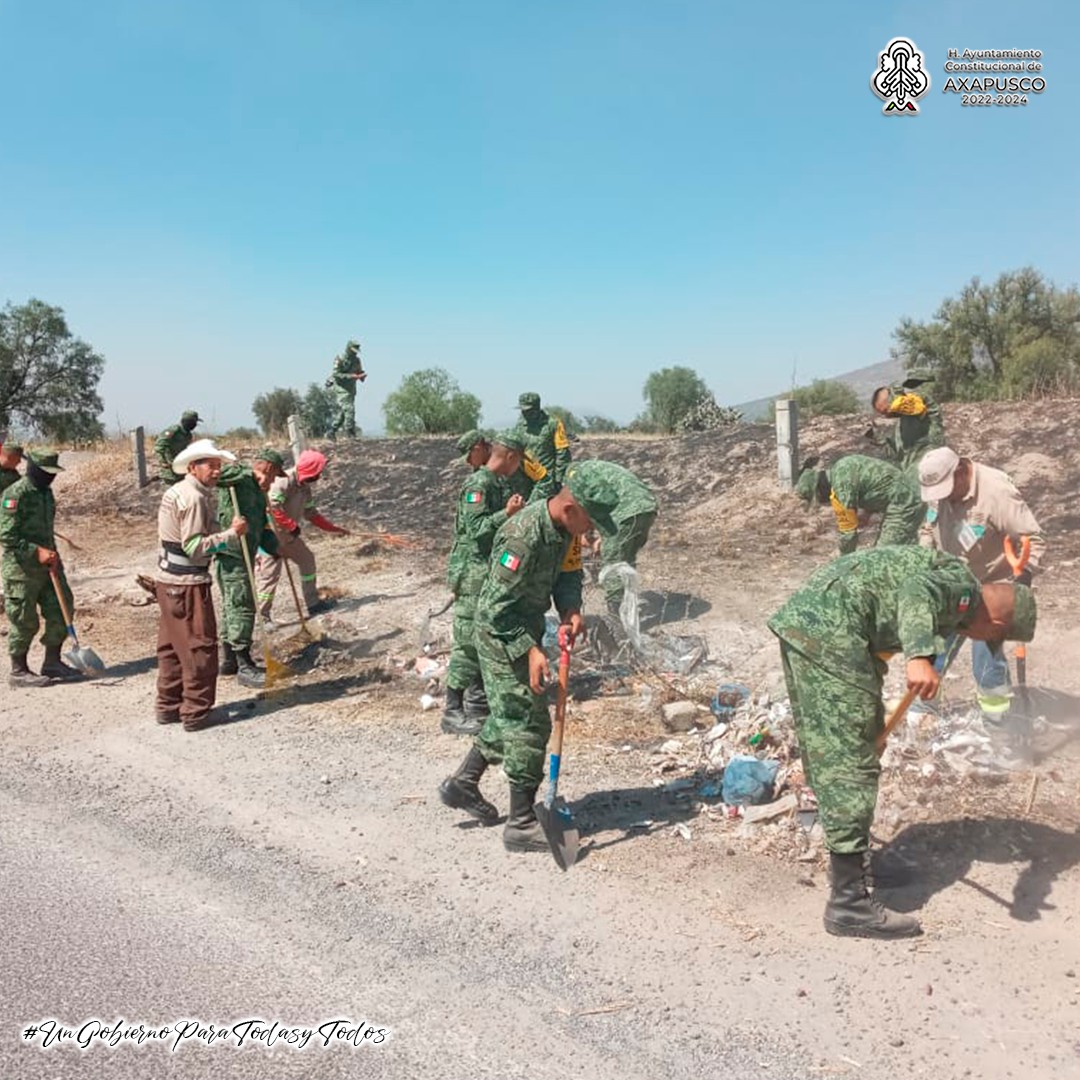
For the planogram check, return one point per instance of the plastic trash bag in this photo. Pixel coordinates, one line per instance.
(749, 782)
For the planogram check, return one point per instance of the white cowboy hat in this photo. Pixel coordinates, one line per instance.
(198, 450)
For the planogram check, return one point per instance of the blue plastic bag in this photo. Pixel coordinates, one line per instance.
(748, 782)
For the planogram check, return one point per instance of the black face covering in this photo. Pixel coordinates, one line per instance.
(188, 425)
(824, 488)
(38, 476)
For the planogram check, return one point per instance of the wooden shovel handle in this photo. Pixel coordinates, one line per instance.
(897, 715)
(63, 603)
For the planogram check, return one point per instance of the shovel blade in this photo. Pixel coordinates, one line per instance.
(85, 660)
(560, 830)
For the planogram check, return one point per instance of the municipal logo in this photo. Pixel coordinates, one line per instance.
(900, 78)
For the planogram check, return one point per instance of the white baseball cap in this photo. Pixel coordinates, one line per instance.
(936, 472)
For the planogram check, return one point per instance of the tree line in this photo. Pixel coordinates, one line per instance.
(1015, 337)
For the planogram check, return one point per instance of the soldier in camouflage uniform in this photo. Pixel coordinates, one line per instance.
(27, 511)
(546, 442)
(536, 558)
(483, 508)
(836, 634)
(170, 442)
(10, 456)
(919, 426)
(856, 482)
(237, 600)
(348, 371)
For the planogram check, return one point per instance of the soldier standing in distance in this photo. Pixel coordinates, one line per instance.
(546, 442)
(171, 441)
(836, 635)
(348, 371)
(919, 426)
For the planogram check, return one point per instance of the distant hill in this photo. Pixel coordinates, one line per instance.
(864, 381)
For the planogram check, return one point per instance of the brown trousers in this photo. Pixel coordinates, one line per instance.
(186, 652)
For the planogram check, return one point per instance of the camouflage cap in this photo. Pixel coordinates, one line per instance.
(511, 439)
(12, 447)
(1024, 615)
(190, 414)
(916, 377)
(529, 400)
(467, 441)
(593, 493)
(47, 460)
(268, 453)
(352, 345)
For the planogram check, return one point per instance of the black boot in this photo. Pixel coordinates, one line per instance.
(228, 665)
(55, 668)
(454, 713)
(462, 790)
(853, 910)
(476, 702)
(21, 675)
(523, 832)
(248, 673)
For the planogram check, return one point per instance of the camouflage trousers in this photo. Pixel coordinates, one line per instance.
(902, 518)
(517, 731)
(630, 537)
(237, 603)
(25, 594)
(463, 668)
(344, 411)
(837, 726)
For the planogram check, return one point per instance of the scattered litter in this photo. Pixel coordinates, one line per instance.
(749, 781)
(728, 698)
(427, 702)
(766, 812)
(683, 830)
(427, 667)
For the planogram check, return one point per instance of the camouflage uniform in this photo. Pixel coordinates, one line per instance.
(169, 443)
(919, 426)
(625, 529)
(26, 523)
(857, 482)
(835, 635)
(8, 477)
(237, 600)
(533, 562)
(481, 511)
(343, 384)
(546, 442)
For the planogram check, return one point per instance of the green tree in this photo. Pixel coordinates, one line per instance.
(317, 411)
(825, 397)
(1018, 336)
(272, 410)
(669, 395)
(570, 421)
(600, 425)
(430, 402)
(48, 378)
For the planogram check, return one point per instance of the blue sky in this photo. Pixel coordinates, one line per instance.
(559, 197)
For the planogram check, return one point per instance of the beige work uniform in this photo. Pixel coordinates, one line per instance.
(187, 628)
(296, 501)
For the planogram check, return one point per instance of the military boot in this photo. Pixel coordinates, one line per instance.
(523, 831)
(454, 713)
(476, 702)
(462, 790)
(55, 668)
(854, 911)
(21, 675)
(248, 673)
(228, 665)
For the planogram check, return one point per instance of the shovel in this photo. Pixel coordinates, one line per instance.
(1018, 564)
(275, 669)
(553, 813)
(898, 714)
(79, 657)
(424, 630)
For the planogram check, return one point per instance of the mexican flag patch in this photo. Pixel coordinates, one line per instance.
(510, 561)
(965, 603)
(474, 497)
(10, 503)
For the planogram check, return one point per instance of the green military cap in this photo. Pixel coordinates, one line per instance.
(13, 448)
(511, 439)
(1024, 615)
(353, 344)
(268, 453)
(593, 493)
(528, 401)
(806, 487)
(467, 441)
(47, 460)
(916, 377)
(190, 414)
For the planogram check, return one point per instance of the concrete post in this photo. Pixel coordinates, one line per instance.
(296, 436)
(787, 442)
(138, 454)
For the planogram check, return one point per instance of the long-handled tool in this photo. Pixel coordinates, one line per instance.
(305, 629)
(275, 668)
(898, 714)
(423, 631)
(553, 813)
(1018, 564)
(79, 656)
